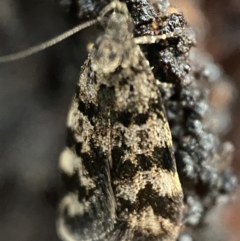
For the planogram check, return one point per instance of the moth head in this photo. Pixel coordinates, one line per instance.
(119, 27)
(111, 47)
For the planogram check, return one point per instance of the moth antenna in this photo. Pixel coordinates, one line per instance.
(46, 44)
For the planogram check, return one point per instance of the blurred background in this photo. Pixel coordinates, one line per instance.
(35, 94)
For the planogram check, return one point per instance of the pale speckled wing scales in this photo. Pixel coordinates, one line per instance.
(88, 211)
(119, 162)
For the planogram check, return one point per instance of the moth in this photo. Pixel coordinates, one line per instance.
(118, 163)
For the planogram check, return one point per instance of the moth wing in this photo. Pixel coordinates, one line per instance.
(87, 212)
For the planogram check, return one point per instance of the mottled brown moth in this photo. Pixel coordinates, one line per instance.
(119, 163)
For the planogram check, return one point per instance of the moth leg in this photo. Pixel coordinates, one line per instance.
(154, 39)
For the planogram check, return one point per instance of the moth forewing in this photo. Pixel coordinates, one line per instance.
(119, 157)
